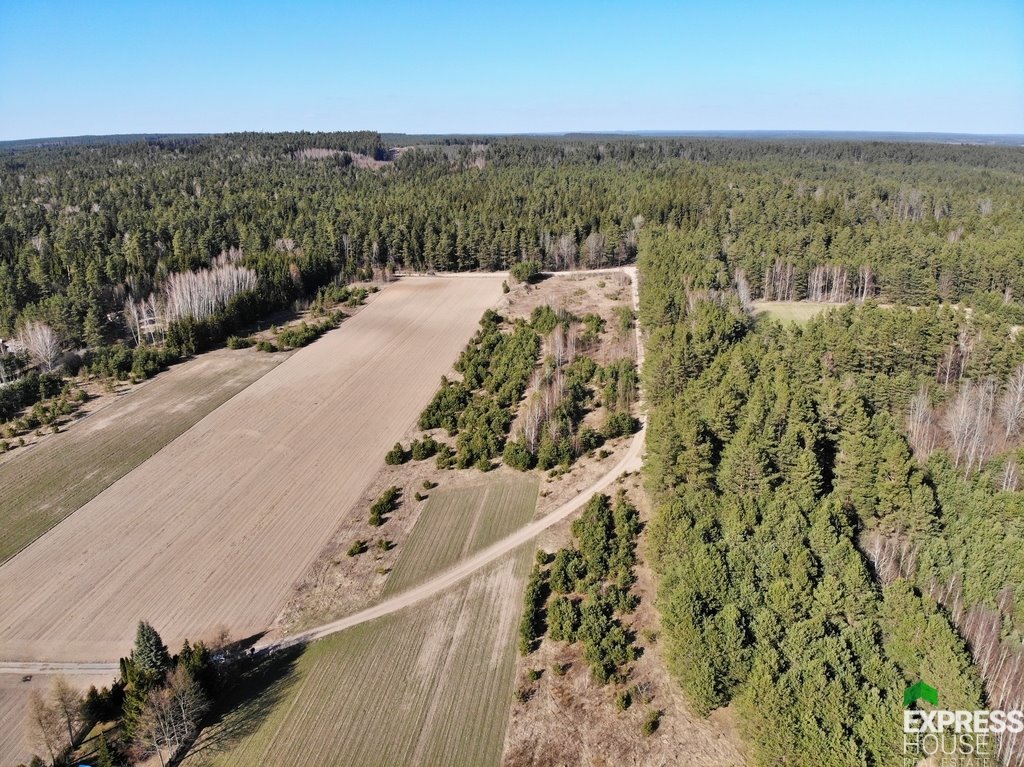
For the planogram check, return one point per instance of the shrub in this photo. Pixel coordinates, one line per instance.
(559, 669)
(525, 271)
(428, 485)
(445, 457)
(651, 722)
(534, 674)
(563, 619)
(396, 455)
(517, 455)
(266, 346)
(532, 622)
(384, 544)
(424, 448)
(384, 505)
(239, 342)
(357, 548)
(623, 700)
(618, 424)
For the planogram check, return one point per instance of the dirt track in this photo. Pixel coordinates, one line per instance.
(216, 527)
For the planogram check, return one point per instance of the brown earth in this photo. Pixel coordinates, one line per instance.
(216, 527)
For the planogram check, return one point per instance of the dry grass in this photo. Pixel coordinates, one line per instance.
(44, 483)
(216, 527)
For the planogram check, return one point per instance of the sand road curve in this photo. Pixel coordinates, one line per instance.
(215, 528)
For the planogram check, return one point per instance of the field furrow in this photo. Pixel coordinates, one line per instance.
(214, 529)
(44, 483)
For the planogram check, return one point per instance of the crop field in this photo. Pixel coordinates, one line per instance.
(430, 685)
(214, 529)
(44, 483)
(458, 522)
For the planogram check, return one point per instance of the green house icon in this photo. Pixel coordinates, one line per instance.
(920, 691)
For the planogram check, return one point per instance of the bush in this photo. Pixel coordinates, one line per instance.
(525, 271)
(534, 674)
(147, 361)
(396, 455)
(623, 700)
(385, 504)
(618, 424)
(651, 722)
(563, 619)
(424, 448)
(445, 457)
(239, 342)
(428, 485)
(517, 455)
(532, 623)
(446, 406)
(266, 346)
(357, 548)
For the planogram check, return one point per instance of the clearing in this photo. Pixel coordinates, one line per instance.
(791, 311)
(429, 685)
(44, 483)
(216, 527)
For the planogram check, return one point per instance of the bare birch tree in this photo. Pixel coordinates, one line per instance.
(1011, 404)
(921, 424)
(43, 725)
(42, 343)
(743, 290)
(67, 701)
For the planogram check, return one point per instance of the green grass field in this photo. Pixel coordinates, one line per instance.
(457, 522)
(790, 311)
(44, 483)
(429, 686)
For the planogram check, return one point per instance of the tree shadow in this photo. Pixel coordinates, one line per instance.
(256, 684)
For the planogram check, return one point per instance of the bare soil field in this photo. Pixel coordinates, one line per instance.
(216, 527)
(572, 720)
(45, 482)
(337, 585)
(15, 745)
(427, 686)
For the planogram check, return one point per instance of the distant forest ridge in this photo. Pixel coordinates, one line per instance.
(409, 139)
(105, 242)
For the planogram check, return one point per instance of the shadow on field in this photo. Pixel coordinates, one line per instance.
(259, 683)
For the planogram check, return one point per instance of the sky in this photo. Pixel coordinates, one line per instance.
(73, 68)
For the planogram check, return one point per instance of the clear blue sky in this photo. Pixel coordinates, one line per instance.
(82, 67)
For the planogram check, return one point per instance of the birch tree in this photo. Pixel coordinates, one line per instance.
(1011, 404)
(42, 343)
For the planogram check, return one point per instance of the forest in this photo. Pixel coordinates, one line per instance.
(99, 241)
(838, 509)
